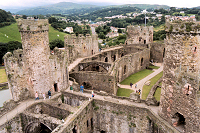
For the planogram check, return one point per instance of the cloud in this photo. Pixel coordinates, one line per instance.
(34, 3)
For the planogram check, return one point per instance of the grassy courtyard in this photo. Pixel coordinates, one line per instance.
(146, 89)
(3, 77)
(136, 77)
(124, 92)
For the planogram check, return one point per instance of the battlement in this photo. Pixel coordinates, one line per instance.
(140, 28)
(183, 27)
(33, 25)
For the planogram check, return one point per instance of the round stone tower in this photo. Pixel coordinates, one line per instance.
(36, 52)
(180, 99)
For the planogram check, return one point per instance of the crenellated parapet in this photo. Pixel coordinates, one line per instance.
(183, 27)
(81, 46)
(139, 35)
(25, 25)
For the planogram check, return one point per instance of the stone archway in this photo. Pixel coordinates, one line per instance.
(178, 121)
(87, 85)
(37, 127)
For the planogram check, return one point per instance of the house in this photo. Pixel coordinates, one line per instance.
(68, 29)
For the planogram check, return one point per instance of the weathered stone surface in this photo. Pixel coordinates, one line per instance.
(34, 68)
(180, 84)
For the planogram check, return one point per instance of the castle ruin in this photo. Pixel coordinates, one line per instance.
(34, 68)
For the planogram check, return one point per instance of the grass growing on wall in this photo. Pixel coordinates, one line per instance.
(3, 77)
(124, 92)
(146, 89)
(136, 77)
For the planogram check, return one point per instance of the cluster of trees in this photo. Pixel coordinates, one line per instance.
(102, 31)
(61, 25)
(108, 12)
(159, 35)
(56, 43)
(116, 41)
(139, 20)
(6, 18)
(8, 47)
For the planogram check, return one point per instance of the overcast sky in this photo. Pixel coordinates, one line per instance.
(33, 3)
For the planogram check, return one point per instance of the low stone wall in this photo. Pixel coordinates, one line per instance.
(7, 106)
(157, 52)
(4, 84)
(150, 98)
(96, 81)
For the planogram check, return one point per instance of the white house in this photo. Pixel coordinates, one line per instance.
(68, 29)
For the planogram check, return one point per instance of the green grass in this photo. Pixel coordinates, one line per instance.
(3, 77)
(161, 27)
(124, 92)
(157, 94)
(136, 77)
(53, 34)
(146, 89)
(14, 35)
(11, 31)
(154, 67)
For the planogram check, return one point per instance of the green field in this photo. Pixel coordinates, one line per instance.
(134, 78)
(124, 92)
(157, 94)
(146, 89)
(13, 34)
(3, 77)
(11, 31)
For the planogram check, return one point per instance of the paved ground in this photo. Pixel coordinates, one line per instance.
(141, 82)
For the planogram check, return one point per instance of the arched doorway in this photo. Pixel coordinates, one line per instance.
(164, 53)
(106, 59)
(55, 87)
(36, 127)
(124, 69)
(122, 54)
(114, 58)
(74, 130)
(178, 120)
(87, 85)
(141, 62)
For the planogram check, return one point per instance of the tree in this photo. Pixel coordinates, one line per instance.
(52, 20)
(56, 43)
(9, 47)
(24, 17)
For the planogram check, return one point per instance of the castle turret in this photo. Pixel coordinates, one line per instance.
(139, 35)
(179, 96)
(36, 52)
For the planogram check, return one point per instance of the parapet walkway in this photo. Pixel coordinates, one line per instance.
(141, 83)
(22, 107)
(78, 60)
(153, 109)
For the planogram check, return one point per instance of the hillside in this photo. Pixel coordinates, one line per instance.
(13, 34)
(59, 8)
(147, 6)
(74, 8)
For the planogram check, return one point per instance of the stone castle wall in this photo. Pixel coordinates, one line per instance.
(34, 68)
(139, 35)
(157, 52)
(181, 79)
(81, 46)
